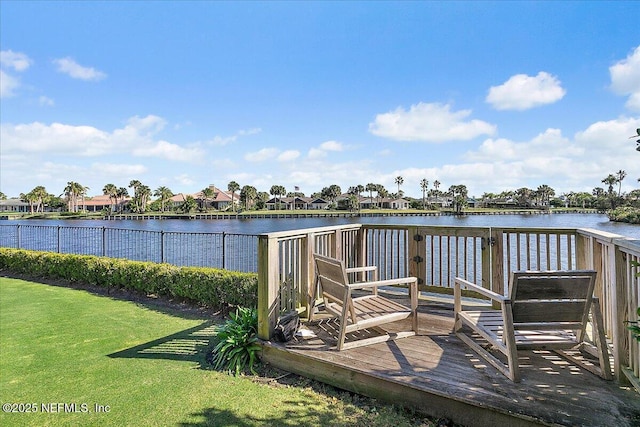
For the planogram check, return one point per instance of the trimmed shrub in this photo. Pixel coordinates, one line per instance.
(210, 286)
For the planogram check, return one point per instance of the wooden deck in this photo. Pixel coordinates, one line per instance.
(438, 375)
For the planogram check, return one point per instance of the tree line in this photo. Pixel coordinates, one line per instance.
(137, 197)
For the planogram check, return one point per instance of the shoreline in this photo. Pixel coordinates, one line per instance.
(295, 214)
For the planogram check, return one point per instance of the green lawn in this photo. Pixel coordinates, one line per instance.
(141, 365)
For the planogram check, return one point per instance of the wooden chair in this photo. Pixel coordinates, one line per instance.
(544, 310)
(363, 312)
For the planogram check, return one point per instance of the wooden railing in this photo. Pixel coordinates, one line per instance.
(436, 255)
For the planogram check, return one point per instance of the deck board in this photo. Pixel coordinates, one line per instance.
(437, 374)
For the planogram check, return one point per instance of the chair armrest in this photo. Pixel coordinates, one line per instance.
(365, 268)
(387, 282)
(479, 289)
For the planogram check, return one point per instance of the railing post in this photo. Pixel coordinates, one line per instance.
(582, 252)
(416, 254)
(104, 241)
(268, 287)
(619, 311)
(18, 237)
(496, 254)
(224, 263)
(162, 258)
(58, 239)
(337, 245)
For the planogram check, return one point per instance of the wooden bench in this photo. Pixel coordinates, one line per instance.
(544, 310)
(362, 312)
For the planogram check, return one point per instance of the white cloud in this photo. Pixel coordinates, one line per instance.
(117, 169)
(522, 92)
(564, 163)
(261, 155)
(625, 79)
(332, 146)
(224, 140)
(288, 155)
(185, 180)
(46, 101)
(169, 151)
(73, 69)
(429, 122)
(56, 138)
(135, 138)
(8, 84)
(16, 60)
(316, 153)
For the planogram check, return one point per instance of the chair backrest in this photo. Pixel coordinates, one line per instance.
(548, 297)
(332, 278)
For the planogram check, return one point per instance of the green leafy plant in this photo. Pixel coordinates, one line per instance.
(237, 348)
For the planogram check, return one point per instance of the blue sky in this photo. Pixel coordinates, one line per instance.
(492, 95)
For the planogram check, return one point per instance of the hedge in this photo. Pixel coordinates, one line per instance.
(210, 286)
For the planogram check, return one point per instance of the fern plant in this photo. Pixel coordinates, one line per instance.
(237, 348)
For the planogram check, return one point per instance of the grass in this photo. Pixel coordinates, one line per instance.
(147, 364)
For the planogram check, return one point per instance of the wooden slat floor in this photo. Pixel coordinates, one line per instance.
(437, 374)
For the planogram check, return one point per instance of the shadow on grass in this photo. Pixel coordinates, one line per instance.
(300, 414)
(190, 345)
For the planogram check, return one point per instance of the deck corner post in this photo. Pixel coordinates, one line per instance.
(584, 251)
(496, 280)
(268, 295)
(619, 311)
(416, 256)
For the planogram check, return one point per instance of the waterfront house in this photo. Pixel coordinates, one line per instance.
(14, 205)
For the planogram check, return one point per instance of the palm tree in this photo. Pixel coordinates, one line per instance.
(233, 187)
(164, 194)
(248, 194)
(73, 191)
(424, 184)
(29, 198)
(121, 194)
(399, 180)
(610, 181)
(436, 185)
(459, 195)
(277, 190)
(523, 196)
(189, 204)
(620, 175)
(545, 192)
(112, 191)
(381, 193)
(207, 194)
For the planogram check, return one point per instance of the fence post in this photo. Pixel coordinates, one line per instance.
(104, 241)
(58, 239)
(162, 259)
(268, 286)
(18, 237)
(224, 255)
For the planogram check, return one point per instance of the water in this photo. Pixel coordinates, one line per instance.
(266, 225)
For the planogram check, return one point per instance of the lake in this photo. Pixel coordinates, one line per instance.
(266, 225)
